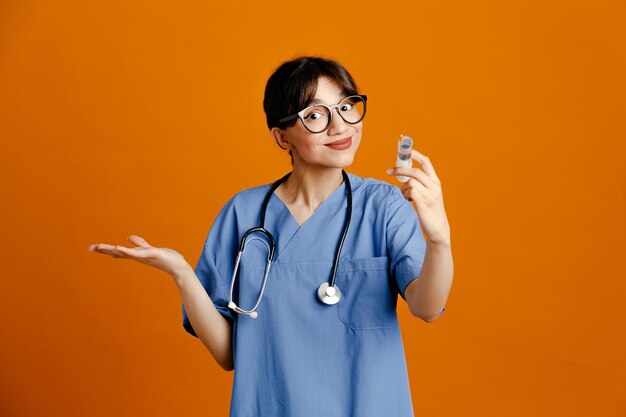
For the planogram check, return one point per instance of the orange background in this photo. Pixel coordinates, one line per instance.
(121, 118)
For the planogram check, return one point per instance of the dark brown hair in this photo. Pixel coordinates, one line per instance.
(293, 85)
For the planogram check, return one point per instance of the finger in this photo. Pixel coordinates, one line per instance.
(412, 194)
(126, 251)
(135, 253)
(409, 185)
(415, 189)
(425, 163)
(107, 250)
(414, 173)
(139, 241)
(103, 246)
(406, 192)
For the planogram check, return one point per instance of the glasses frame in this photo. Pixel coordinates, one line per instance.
(330, 108)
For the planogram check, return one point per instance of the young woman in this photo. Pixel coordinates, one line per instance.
(297, 284)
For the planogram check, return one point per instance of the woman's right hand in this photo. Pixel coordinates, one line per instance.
(167, 260)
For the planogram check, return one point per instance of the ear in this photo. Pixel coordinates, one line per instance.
(280, 138)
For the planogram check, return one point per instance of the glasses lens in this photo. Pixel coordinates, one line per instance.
(352, 109)
(316, 118)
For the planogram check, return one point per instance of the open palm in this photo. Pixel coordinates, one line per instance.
(165, 259)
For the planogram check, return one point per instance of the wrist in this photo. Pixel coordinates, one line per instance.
(443, 243)
(182, 273)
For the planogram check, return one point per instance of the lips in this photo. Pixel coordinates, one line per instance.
(340, 144)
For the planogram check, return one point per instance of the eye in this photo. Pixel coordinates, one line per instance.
(314, 116)
(347, 106)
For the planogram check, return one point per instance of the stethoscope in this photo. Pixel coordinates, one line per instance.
(328, 292)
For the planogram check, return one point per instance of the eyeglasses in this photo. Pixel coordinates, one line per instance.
(318, 117)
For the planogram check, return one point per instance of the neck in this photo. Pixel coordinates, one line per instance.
(310, 187)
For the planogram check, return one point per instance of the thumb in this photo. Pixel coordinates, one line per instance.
(139, 241)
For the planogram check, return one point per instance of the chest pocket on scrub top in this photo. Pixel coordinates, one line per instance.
(368, 301)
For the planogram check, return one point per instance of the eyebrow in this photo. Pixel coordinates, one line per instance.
(318, 101)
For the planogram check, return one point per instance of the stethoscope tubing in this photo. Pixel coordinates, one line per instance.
(346, 225)
(272, 246)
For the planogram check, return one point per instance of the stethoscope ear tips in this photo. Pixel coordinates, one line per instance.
(254, 314)
(232, 305)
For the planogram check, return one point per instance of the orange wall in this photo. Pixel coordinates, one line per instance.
(120, 117)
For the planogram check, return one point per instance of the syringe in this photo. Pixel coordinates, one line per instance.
(405, 146)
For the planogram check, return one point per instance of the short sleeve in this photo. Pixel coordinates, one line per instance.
(218, 249)
(405, 243)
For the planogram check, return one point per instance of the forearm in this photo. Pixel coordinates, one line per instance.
(210, 326)
(430, 291)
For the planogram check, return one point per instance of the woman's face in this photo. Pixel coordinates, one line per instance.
(333, 148)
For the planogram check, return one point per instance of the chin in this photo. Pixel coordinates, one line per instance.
(344, 161)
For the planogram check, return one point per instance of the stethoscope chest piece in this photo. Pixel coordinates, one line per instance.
(329, 295)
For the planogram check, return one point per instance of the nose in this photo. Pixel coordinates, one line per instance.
(337, 124)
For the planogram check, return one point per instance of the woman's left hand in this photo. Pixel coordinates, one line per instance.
(423, 189)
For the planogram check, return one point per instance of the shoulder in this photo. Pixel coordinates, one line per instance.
(251, 195)
(247, 197)
(383, 199)
(242, 208)
(375, 190)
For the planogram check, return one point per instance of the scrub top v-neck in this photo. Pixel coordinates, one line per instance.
(292, 228)
(301, 357)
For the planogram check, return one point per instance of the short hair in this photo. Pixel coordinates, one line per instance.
(292, 86)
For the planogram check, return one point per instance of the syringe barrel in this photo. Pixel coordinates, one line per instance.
(404, 159)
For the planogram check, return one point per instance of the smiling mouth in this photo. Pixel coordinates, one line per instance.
(339, 142)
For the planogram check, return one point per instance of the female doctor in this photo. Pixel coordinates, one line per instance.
(298, 280)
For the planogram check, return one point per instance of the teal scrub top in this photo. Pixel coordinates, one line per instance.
(301, 357)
